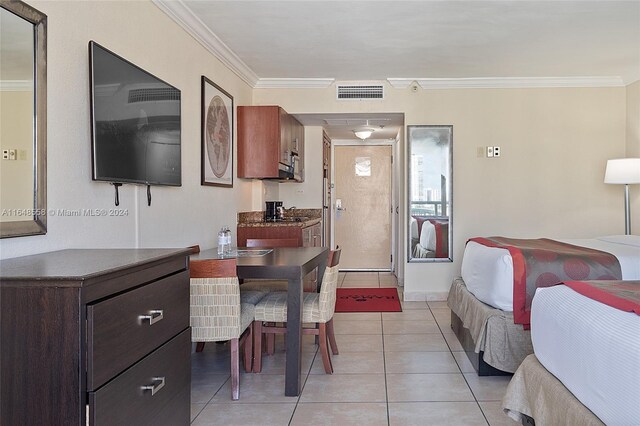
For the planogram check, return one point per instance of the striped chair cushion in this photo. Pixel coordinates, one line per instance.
(317, 307)
(251, 296)
(216, 310)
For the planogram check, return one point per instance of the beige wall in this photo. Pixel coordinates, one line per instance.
(633, 148)
(548, 182)
(16, 132)
(144, 35)
(308, 194)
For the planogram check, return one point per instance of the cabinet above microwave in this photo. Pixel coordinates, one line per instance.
(270, 144)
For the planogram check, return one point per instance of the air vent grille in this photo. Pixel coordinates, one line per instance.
(356, 92)
(153, 95)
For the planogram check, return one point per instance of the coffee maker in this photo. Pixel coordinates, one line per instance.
(273, 211)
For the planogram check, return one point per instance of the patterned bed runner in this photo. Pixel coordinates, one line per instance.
(543, 262)
(623, 295)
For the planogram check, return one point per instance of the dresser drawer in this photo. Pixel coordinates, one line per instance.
(125, 328)
(155, 391)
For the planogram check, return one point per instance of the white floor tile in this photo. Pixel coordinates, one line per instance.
(435, 414)
(245, 414)
(343, 414)
(427, 387)
(344, 388)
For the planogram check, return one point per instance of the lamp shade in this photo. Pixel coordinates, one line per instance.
(363, 133)
(623, 171)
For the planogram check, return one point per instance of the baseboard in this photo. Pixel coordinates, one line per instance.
(429, 296)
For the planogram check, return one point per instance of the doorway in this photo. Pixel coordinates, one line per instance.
(363, 206)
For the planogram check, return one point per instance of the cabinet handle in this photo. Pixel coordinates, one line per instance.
(154, 388)
(154, 316)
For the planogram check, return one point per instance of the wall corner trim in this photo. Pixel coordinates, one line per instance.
(294, 83)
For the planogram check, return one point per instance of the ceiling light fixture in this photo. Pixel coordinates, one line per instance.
(364, 133)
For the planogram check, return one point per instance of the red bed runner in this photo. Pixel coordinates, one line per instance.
(442, 237)
(623, 295)
(543, 262)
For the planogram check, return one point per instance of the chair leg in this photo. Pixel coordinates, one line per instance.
(257, 346)
(235, 370)
(324, 350)
(200, 346)
(332, 337)
(248, 350)
(271, 343)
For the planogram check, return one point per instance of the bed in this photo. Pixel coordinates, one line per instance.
(481, 301)
(585, 368)
(430, 237)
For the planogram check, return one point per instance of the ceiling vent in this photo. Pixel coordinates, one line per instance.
(360, 91)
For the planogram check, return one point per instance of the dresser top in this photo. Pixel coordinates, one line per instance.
(81, 264)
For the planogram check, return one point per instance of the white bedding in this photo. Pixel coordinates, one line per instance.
(592, 348)
(428, 236)
(488, 271)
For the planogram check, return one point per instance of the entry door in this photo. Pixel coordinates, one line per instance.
(362, 197)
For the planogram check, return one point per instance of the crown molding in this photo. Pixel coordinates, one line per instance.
(401, 83)
(507, 82)
(16, 85)
(184, 17)
(294, 83)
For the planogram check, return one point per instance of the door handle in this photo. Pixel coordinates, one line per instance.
(154, 388)
(341, 209)
(153, 317)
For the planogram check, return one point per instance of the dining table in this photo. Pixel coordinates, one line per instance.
(281, 263)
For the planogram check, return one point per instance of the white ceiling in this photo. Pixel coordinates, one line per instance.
(376, 40)
(342, 126)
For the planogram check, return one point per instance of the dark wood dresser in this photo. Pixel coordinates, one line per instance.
(98, 337)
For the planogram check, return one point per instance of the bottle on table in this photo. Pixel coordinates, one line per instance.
(222, 242)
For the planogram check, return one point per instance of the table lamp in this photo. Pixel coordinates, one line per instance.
(624, 171)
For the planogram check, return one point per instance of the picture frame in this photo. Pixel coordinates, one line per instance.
(217, 136)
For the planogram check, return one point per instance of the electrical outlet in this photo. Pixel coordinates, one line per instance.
(5, 154)
(489, 151)
(496, 151)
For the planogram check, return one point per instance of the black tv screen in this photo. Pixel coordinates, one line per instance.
(135, 123)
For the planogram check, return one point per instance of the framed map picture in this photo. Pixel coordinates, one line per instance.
(217, 135)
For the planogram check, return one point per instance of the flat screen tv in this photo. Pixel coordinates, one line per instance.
(135, 121)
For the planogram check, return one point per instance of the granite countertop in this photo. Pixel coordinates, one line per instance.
(297, 217)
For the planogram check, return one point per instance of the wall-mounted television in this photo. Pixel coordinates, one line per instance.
(135, 123)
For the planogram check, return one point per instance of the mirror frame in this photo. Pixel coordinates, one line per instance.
(410, 257)
(37, 225)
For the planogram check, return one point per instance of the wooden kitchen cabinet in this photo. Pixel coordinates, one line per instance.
(270, 144)
(312, 236)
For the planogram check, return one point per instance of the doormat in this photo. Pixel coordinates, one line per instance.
(367, 300)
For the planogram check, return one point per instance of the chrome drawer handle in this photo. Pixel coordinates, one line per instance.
(153, 316)
(155, 388)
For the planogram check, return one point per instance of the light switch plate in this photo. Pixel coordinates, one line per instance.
(489, 151)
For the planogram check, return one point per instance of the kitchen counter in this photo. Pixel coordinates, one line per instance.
(293, 218)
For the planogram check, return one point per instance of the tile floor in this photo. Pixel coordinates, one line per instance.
(400, 368)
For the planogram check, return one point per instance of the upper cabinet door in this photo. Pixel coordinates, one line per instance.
(267, 140)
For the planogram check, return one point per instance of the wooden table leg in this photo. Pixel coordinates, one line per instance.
(293, 370)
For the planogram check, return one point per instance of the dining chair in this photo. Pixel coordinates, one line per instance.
(218, 313)
(268, 285)
(317, 308)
